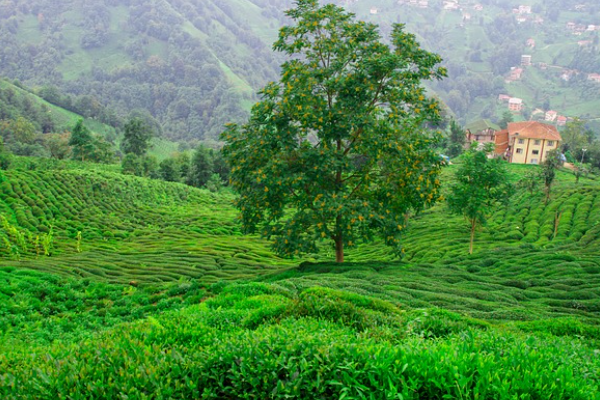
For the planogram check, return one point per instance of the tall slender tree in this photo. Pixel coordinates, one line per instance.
(481, 183)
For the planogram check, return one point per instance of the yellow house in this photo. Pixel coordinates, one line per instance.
(527, 142)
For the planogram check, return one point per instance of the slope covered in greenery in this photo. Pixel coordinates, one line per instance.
(151, 290)
(197, 64)
(189, 63)
(17, 101)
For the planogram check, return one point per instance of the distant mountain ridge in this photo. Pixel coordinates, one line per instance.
(193, 64)
(197, 64)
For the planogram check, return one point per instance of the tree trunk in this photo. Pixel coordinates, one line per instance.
(339, 249)
(473, 226)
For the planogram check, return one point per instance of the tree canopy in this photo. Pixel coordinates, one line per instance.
(481, 183)
(137, 135)
(335, 150)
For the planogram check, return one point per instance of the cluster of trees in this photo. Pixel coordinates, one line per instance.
(85, 105)
(205, 168)
(184, 85)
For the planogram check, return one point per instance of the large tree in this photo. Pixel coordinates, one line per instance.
(336, 150)
(481, 184)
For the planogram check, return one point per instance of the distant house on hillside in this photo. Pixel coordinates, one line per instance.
(550, 115)
(530, 43)
(373, 10)
(527, 142)
(424, 3)
(594, 77)
(481, 131)
(478, 7)
(451, 5)
(526, 60)
(561, 120)
(524, 9)
(504, 98)
(515, 104)
(515, 74)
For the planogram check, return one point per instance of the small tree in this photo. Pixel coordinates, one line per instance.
(5, 156)
(580, 170)
(137, 135)
(457, 139)
(201, 168)
(481, 184)
(507, 118)
(169, 170)
(132, 165)
(336, 150)
(81, 141)
(530, 181)
(549, 166)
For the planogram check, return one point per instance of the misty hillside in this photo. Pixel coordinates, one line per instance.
(196, 64)
(192, 64)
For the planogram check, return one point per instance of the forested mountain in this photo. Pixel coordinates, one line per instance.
(482, 43)
(196, 64)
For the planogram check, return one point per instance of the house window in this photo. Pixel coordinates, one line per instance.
(534, 160)
(521, 141)
(550, 143)
(537, 142)
(535, 152)
(519, 151)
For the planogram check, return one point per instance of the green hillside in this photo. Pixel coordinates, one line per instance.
(61, 119)
(150, 290)
(481, 41)
(193, 65)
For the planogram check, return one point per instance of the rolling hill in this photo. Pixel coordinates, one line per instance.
(195, 65)
(153, 285)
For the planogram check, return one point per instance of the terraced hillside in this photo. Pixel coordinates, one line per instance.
(118, 229)
(153, 285)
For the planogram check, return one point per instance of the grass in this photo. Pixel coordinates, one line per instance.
(165, 298)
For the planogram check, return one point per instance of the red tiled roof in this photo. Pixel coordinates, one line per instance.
(534, 130)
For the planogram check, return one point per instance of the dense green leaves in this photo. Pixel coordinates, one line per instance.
(338, 139)
(255, 341)
(136, 137)
(482, 184)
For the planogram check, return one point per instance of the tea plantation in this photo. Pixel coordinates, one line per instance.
(116, 287)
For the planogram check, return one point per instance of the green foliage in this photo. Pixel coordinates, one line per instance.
(42, 308)
(136, 137)
(82, 141)
(242, 343)
(482, 184)
(548, 173)
(339, 138)
(132, 165)
(16, 242)
(457, 139)
(169, 170)
(201, 168)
